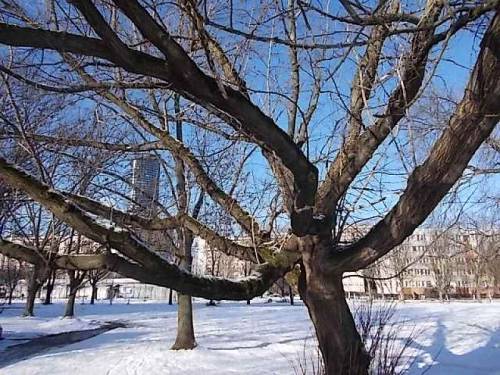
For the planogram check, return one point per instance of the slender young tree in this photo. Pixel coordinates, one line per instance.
(443, 262)
(11, 273)
(94, 276)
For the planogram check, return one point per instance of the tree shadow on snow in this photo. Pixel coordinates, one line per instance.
(436, 358)
(35, 346)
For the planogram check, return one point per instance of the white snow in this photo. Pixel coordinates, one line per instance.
(459, 338)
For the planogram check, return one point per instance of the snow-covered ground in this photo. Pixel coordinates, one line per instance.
(461, 338)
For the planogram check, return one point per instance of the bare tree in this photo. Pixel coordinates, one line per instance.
(94, 277)
(126, 45)
(76, 278)
(11, 273)
(400, 260)
(481, 250)
(443, 261)
(49, 286)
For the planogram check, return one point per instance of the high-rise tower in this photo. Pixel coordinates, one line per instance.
(145, 184)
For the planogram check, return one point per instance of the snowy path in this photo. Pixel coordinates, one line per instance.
(19, 352)
(456, 338)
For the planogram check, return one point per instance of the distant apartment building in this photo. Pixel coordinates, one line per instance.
(435, 263)
(430, 263)
(145, 184)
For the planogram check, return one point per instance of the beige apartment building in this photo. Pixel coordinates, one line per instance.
(435, 263)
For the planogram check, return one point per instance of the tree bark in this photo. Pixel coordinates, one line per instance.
(48, 294)
(75, 282)
(185, 330)
(50, 287)
(93, 295)
(322, 291)
(69, 311)
(30, 300)
(36, 281)
(11, 293)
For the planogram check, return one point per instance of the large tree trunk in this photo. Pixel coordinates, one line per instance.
(50, 287)
(185, 329)
(11, 293)
(37, 279)
(48, 294)
(29, 309)
(322, 291)
(75, 282)
(170, 296)
(69, 311)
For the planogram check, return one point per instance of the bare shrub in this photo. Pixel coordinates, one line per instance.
(382, 336)
(308, 361)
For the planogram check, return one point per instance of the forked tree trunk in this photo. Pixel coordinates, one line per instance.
(74, 285)
(322, 291)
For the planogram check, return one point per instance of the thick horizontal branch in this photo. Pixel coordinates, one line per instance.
(124, 219)
(169, 277)
(140, 62)
(84, 223)
(20, 252)
(80, 205)
(142, 147)
(72, 89)
(175, 278)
